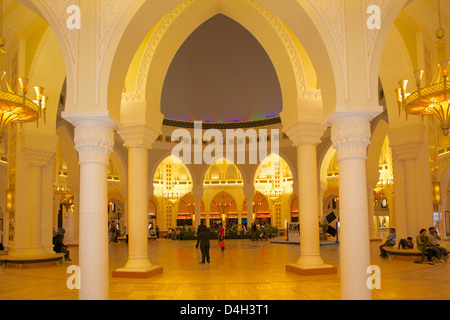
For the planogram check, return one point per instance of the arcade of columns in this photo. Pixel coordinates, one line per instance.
(94, 109)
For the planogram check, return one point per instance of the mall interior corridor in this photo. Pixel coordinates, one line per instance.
(247, 270)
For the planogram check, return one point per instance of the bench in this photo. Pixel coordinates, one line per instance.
(404, 254)
(21, 260)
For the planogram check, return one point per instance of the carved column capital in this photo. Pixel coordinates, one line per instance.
(94, 143)
(406, 151)
(351, 130)
(351, 139)
(38, 147)
(38, 157)
(305, 133)
(94, 135)
(138, 136)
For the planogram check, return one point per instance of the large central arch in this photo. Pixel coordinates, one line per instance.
(172, 30)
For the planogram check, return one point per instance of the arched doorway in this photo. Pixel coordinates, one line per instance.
(273, 181)
(171, 182)
(223, 209)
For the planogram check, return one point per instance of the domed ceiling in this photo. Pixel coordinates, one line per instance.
(221, 73)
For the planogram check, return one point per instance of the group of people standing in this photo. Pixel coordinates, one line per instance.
(428, 244)
(257, 232)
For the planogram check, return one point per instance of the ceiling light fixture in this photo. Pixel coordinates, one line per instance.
(17, 108)
(433, 99)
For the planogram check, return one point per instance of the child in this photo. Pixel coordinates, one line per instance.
(406, 244)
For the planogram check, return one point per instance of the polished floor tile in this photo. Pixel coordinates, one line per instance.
(245, 271)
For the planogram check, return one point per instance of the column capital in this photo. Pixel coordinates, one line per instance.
(351, 139)
(351, 130)
(38, 157)
(138, 136)
(305, 133)
(407, 151)
(38, 147)
(94, 144)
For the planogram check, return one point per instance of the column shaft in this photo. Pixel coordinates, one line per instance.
(351, 134)
(93, 247)
(35, 229)
(138, 140)
(306, 136)
(308, 207)
(138, 210)
(354, 233)
(94, 141)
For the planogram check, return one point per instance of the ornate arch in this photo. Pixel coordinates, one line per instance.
(139, 94)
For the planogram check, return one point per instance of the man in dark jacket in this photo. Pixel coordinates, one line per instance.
(203, 237)
(59, 246)
(200, 228)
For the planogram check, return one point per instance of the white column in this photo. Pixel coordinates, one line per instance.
(249, 192)
(207, 219)
(197, 193)
(94, 141)
(138, 140)
(351, 134)
(306, 136)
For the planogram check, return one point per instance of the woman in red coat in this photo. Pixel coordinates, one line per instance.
(222, 237)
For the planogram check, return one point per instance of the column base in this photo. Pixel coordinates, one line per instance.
(137, 274)
(311, 270)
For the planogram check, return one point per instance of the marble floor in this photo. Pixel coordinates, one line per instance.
(245, 271)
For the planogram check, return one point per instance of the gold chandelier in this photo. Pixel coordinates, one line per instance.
(16, 107)
(433, 99)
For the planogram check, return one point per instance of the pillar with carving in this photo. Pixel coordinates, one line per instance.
(94, 142)
(350, 135)
(138, 140)
(306, 136)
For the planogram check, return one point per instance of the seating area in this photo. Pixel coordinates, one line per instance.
(405, 254)
(31, 260)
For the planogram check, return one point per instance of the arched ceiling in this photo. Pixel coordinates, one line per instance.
(221, 73)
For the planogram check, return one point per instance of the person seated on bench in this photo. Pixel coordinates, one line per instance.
(2, 249)
(424, 245)
(434, 241)
(59, 246)
(390, 242)
(406, 243)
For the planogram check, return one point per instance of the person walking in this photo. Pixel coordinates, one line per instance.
(200, 228)
(222, 238)
(203, 237)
